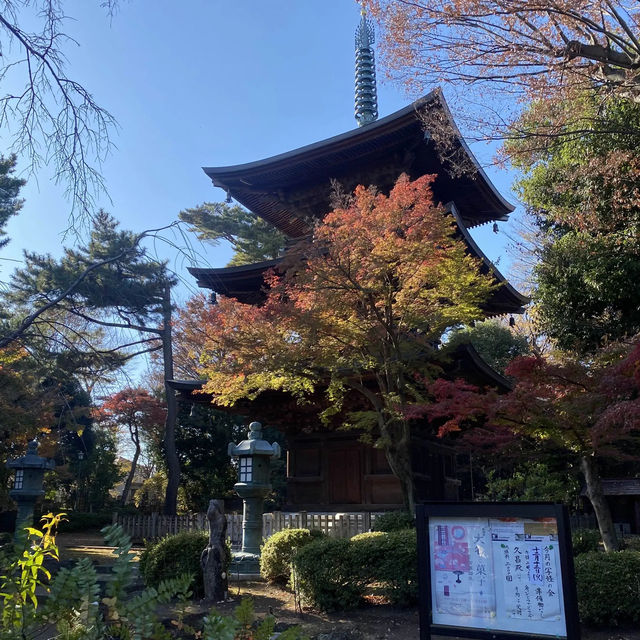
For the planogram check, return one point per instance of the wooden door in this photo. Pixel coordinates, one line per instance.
(344, 473)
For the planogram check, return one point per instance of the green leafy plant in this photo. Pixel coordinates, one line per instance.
(278, 551)
(135, 617)
(393, 521)
(608, 587)
(585, 541)
(173, 555)
(78, 612)
(389, 560)
(326, 575)
(334, 574)
(25, 574)
(242, 626)
(368, 535)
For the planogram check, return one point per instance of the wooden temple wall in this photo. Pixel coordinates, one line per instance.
(336, 472)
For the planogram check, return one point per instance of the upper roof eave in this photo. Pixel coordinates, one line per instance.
(520, 297)
(391, 122)
(233, 270)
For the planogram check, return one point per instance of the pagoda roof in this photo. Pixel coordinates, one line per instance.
(246, 282)
(289, 188)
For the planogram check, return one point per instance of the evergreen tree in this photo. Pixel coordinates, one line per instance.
(583, 191)
(253, 239)
(110, 283)
(493, 341)
(10, 187)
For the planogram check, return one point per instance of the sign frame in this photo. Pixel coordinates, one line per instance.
(521, 510)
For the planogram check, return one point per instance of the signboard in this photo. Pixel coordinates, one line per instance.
(496, 570)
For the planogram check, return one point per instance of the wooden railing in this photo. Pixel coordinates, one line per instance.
(337, 525)
(153, 526)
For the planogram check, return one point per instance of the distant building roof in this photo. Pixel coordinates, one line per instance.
(619, 487)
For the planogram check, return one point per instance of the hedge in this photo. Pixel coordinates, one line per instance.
(326, 575)
(278, 551)
(608, 587)
(393, 521)
(172, 556)
(333, 574)
(585, 541)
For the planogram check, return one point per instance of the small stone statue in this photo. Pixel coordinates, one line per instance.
(212, 560)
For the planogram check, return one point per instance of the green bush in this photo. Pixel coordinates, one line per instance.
(80, 521)
(389, 560)
(632, 543)
(585, 541)
(608, 587)
(393, 521)
(367, 536)
(173, 556)
(326, 577)
(278, 551)
(334, 574)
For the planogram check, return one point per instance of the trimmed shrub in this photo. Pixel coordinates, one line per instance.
(608, 587)
(367, 536)
(632, 543)
(389, 560)
(393, 521)
(326, 576)
(278, 551)
(333, 574)
(172, 556)
(585, 541)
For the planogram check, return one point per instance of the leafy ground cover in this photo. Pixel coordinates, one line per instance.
(374, 621)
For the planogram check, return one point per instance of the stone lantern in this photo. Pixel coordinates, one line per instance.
(27, 483)
(254, 462)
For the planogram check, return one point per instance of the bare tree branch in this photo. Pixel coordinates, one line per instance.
(53, 118)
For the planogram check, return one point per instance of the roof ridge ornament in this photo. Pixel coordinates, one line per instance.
(366, 103)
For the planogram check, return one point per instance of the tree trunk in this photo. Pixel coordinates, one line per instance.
(130, 476)
(399, 458)
(170, 453)
(599, 503)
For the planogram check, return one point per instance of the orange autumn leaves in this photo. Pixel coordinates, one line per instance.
(513, 48)
(382, 278)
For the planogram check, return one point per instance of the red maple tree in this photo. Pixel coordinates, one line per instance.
(140, 414)
(356, 310)
(589, 409)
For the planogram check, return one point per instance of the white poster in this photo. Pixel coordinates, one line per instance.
(463, 565)
(499, 574)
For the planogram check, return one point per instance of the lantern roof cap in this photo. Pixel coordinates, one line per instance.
(254, 445)
(31, 460)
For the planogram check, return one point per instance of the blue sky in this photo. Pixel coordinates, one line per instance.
(201, 83)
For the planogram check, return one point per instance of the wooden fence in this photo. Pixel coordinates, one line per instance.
(583, 521)
(337, 525)
(153, 526)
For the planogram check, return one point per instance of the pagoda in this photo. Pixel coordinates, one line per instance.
(333, 470)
